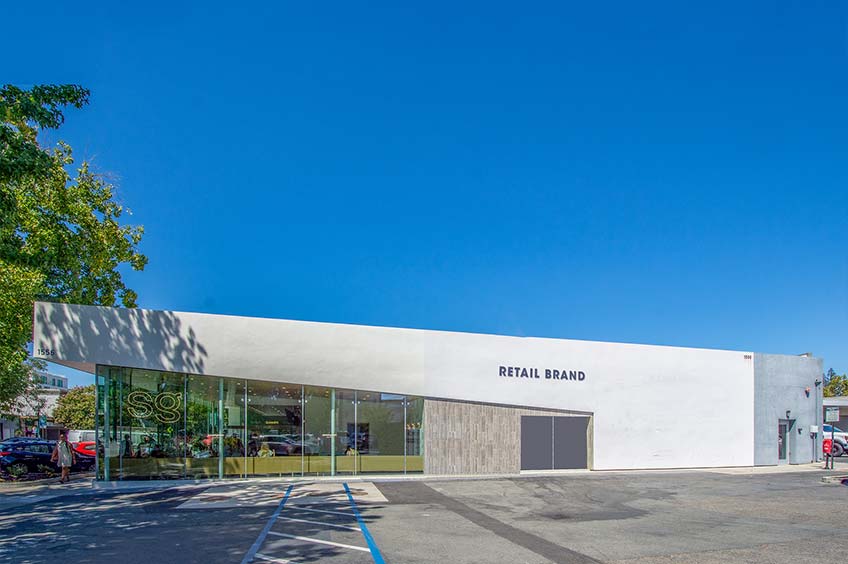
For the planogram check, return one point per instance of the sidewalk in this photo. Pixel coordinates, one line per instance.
(15, 494)
(782, 468)
(164, 484)
(86, 478)
(85, 482)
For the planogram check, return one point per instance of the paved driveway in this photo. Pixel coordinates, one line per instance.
(656, 517)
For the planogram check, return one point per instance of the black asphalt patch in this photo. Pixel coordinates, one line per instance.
(419, 492)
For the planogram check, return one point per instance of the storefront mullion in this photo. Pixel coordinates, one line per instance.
(317, 434)
(220, 431)
(345, 429)
(302, 423)
(244, 432)
(414, 429)
(405, 408)
(356, 445)
(185, 426)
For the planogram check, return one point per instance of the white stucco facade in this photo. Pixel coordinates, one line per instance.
(652, 406)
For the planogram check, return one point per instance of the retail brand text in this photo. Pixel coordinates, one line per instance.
(541, 373)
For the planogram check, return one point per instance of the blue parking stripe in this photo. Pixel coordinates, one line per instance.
(372, 546)
(255, 548)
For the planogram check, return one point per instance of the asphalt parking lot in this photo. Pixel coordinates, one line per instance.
(652, 517)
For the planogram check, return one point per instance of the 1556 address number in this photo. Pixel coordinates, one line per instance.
(45, 352)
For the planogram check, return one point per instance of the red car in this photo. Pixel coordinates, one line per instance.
(84, 447)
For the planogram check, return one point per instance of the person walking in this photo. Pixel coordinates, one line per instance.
(127, 447)
(63, 456)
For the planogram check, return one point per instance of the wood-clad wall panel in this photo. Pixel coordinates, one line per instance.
(477, 438)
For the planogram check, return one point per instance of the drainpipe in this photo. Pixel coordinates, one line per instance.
(220, 428)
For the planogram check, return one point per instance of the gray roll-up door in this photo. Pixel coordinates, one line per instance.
(536, 442)
(570, 448)
(553, 443)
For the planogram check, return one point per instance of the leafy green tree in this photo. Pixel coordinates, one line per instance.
(835, 384)
(60, 235)
(75, 410)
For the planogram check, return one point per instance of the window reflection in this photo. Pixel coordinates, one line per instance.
(346, 451)
(317, 433)
(380, 432)
(274, 419)
(146, 438)
(414, 434)
(160, 425)
(202, 427)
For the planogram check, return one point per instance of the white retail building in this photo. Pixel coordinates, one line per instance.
(197, 395)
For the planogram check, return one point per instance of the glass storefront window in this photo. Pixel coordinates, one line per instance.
(346, 451)
(146, 438)
(202, 427)
(162, 425)
(317, 432)
(274, 427)
(380, 432)
(232, 440)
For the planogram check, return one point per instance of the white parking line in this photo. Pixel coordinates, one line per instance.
(27, 536)
(272, 559)
(322, 523)
(319, 541)
(346, 514)
(257, 544)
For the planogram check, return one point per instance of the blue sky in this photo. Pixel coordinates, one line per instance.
(638, 172)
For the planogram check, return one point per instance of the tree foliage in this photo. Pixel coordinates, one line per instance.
(75, 410)
(835, 384)
(60, 233)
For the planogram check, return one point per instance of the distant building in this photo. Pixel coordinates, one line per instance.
(53, 381)
(52, 387)
(8, 427)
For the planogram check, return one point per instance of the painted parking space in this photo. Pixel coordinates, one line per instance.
(623, 518)
(324, 523)
(228, 496)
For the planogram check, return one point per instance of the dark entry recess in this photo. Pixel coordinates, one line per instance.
(553, 443)
(536, 442)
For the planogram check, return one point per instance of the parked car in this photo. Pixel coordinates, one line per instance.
(81, 436)
(33, 455)
(282, 445)
(85, 448)
(837, 432)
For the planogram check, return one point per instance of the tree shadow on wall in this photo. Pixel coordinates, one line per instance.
(121, 337)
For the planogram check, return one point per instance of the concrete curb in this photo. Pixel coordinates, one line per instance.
(216, 482)
(43, 483)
